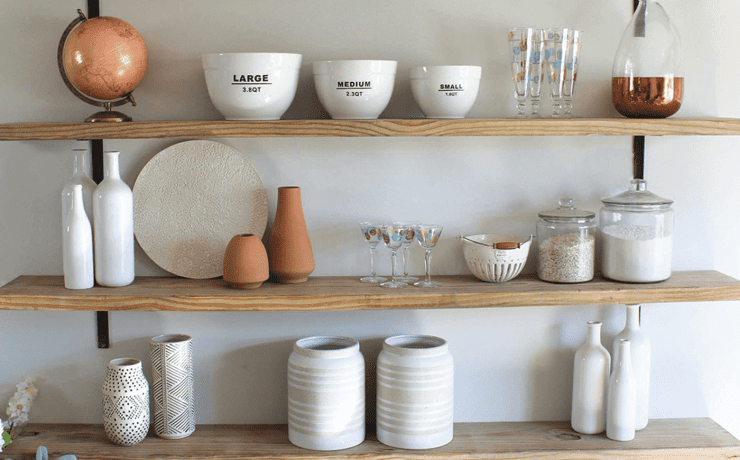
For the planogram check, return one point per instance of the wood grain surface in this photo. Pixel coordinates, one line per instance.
(699, 438)
(348, 293)
(367, 128)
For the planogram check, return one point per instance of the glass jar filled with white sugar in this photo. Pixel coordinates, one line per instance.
(636, 235)
(566, 241)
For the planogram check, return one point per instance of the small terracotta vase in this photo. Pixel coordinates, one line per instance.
(290, 253)
(245, 262)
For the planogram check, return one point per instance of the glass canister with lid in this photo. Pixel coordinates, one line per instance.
(567, 244)
(637, 235)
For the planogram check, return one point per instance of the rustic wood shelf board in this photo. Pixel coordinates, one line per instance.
(370, 128)
(348, 293)
(663, 438)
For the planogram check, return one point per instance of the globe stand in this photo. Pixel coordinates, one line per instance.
(104, 116)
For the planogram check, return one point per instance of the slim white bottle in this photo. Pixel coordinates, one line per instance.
(640, 351)
(77, 245)
(81, 167)
(113, 211)
(621, 402)
(590, 383)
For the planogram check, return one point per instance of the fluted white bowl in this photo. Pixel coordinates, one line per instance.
(495, 265)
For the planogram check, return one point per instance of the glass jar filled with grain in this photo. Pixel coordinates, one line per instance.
(567, 244)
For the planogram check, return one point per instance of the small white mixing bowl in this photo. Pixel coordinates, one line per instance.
(445, 91)
(354, 90)
(252, 86)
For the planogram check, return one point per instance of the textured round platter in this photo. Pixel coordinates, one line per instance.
(190, 200)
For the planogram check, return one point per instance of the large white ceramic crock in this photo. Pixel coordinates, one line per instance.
(445, 91)
(415, 392)
(326, 393)
(252, 86)
(354, 90)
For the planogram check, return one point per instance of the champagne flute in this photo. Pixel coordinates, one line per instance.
(427, 236)
(393, 236)
(371, 231)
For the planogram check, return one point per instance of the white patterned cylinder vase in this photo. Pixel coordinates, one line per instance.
(415, 392)
(113, 228)
(326, 393)
(125, 402)
(172, 385)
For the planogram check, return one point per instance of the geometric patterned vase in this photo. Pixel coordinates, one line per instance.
(172, 385)
(125, 402)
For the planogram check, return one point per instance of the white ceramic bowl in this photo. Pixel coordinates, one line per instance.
(354, 90)
(252, 86)
(491, 264)
(445, 91)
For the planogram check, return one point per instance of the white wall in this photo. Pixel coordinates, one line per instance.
(511, 363)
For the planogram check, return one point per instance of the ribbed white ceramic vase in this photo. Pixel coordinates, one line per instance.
(113, 214)
(415, 392)
(326, 393)
(591, 367)
(172, 385)
(621, 399)
(77, 245)
(640, 351)
(125, 402)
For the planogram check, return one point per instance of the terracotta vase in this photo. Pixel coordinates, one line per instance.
(245, 262)
(289, 250)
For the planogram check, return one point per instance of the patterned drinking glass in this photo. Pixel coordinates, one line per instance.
(393, 236)
(555, 59)
(405, 253)
(526, 47)
(371, 231)
(427, 236)
(571, 70)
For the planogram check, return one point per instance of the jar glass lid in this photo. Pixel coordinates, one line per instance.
(566, 212)
(638, 195)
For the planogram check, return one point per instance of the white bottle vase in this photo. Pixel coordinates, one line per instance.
(113, 211)
(172, 385)
(591, 367)
(415, 392)
(77, 245)
(621, 401)
(81, 167)
(326, 393)
(125, 402)
(640, 351)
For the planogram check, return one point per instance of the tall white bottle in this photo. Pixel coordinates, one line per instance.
(590, 383)
(81, 169)
(621, 401)
(77, 245)
(113, 211)
(640, 350)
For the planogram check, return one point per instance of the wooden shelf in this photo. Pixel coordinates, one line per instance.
(663, 438)
(366, 128)
(348, 293)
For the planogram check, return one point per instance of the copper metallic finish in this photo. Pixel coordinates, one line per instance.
(647, 97)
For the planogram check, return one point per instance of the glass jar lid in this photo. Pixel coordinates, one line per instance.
(566, 212)
(638, 196)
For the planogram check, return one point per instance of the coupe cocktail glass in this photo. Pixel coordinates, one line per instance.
(371, 232)
(405, 253)
(427, 236)
(393, 236)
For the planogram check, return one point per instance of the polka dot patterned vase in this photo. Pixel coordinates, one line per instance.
(125, 402)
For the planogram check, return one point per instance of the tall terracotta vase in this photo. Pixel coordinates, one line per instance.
(289, 251)
(245, 262)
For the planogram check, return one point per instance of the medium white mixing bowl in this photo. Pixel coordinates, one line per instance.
(445, 91)
(354, 90)
(252, 86)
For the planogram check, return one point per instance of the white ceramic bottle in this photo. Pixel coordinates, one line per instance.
(590, 383)
(77, 245)
(621, 401)
(113, 211)
(415, 392)
(640, 351)
(81, 167)
(326, 393)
